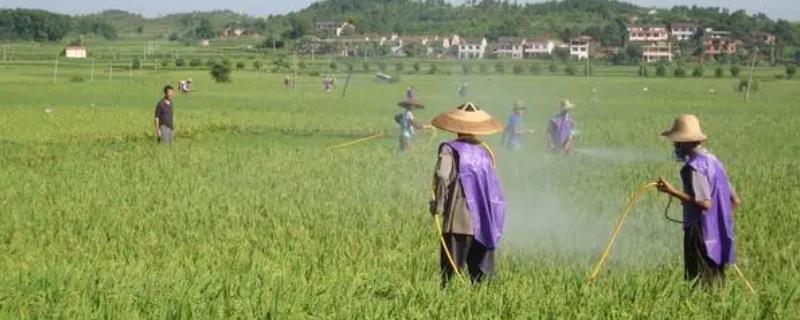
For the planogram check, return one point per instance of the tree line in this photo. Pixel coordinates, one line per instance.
(40, 25)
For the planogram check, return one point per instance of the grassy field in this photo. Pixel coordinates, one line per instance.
(249, 215)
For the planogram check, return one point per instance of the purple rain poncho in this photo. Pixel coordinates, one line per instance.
(716, 222)
(561, 127)
(482, 190)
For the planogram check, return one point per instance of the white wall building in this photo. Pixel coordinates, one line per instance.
(657, 51)
(535, 48)
(647, 34)
(683, 31)
(75, 52)
(472, 49)
(513, 48)
(580, 47)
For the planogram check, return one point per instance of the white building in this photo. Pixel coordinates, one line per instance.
(472, 49)
(75, 52)
(536, 48)
(683, 31)
(657, 51)
(647, 34)
(580, 47)
(513, 48)
(716, 34)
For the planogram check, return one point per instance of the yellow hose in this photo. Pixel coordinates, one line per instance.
(374, 136)
(741, 275)
(447, 251)
(617, 228)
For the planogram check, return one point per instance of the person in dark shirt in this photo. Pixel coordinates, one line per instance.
(164, 126)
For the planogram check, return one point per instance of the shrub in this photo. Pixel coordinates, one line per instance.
(735, 70)
(333, 66)
(499, 67)
(661, 70)
(221, 73)
(180, 63)
(466, 68)
(570, 70)
(718, 72)
(365, 66)
(698, 72)
(240, 65)
(679, 72)
(399, 67)
(484, 69)
(535, 68)
(553, 68)
(257, 65)
(644, 71)
(196, 62)
(415, 66)
(517, 69)
(432, 69)
(791, 70)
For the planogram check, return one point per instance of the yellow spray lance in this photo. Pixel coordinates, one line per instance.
(618, 228)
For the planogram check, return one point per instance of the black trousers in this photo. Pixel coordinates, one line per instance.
(698, 267)
(465, 250)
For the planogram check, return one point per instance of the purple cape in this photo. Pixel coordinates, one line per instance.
(716, 222)
(482, 190)
(561, 129)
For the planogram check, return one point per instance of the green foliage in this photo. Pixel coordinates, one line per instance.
(791, 70)
(698, 71)
(221, 72)
(433, 69)
(164, 63)
(661, 70)
(76, 79)
(416, 66)
(136, 63)
(735, 70)
(718, 72)
(483, 68)
(518, 69)
(333, 66)
(257, 65)
(365, 66)
(679, 72)
(195, 62)
(553, 68)
(240, 65)
(302, 65)
(570, 70)
(754, 86)
(180, 62)
(466, 68)
(500, 67)
(399, 67)
(34, 25)
(382, 66)
(535, 69)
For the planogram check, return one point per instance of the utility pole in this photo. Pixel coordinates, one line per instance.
(111, 70)
(55, 70)
(93, 62)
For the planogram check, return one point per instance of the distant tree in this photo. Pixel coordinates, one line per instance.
(173, 36)
(180, 62)
(240, 65)
(535, 69)
(221, 73)
(136, 63)
(644, 71)
(570, 70)
(195, 62)
(499, 67)
(661, 70)
(735, 70)
(433, 69)
(365, 66)
(257, 65)
(333, 66)
(399, 67)
(791, 70)
(679, 72)
(139, 29)
(553, 68)
(698, 72)
(517, 69)
(416, 67)
(718, 72)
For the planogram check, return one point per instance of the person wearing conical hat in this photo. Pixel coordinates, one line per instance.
(562, 127)
(709, 201)
(411, 93)
(462, 90)
(468, 194)
(512, 135)
(408, 125)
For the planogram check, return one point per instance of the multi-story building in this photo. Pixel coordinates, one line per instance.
(580, 47)
(513, 48)
(683, 31)
(647, 34)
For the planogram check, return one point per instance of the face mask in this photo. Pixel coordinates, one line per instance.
(680, 155)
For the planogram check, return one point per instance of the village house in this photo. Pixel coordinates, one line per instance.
(333, 28)
(508, 47)
(75, 52)
(715, 47)
(472, 48)
(580, 47)
(716, 34)
(539, 48)
(657, 51)
(647, 34)
(763, 38)
(683, 31)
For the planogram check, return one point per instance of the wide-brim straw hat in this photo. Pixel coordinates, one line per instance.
(518, 105)
(567, 104)
(468, 119)
(411, 103)
(686, 128)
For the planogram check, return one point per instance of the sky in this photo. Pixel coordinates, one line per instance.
(784, 9)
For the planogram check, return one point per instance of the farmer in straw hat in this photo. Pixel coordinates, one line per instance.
(407, 123)
(708, 204)
(512, 136)
(562, 128)
(468, 194)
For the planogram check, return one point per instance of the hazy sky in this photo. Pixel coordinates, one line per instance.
(786, 9)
